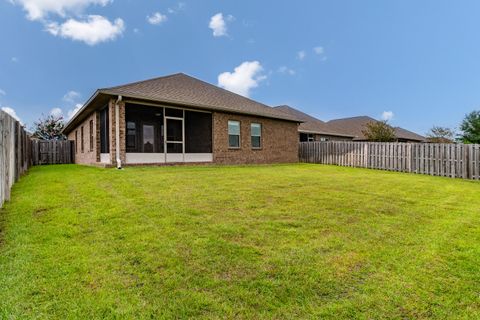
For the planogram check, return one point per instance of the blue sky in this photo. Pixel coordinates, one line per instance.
(418, 60)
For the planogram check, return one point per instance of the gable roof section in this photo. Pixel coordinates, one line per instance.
(311, 124)
(408, 135)
(181, 89)
(186, 90)
(355, 126)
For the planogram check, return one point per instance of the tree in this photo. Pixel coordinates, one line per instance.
(49, 128)
(379, 131)
(470, 128)
(440, 135)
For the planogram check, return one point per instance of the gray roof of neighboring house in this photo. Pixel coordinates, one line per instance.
(311, 124)
(356, 125)
(181, 89)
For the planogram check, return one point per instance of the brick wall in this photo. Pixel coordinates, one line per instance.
(111, 117)
(279, 141)
(89, 155)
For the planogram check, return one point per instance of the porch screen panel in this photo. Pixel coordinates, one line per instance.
(198, 132)
(144, 128)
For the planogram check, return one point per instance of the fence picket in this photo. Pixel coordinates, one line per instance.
(448, 160)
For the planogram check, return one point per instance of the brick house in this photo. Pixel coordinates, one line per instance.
(180, 119)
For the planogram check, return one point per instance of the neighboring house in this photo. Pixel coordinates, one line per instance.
(177, 119)
(356, 125)
(313, 129)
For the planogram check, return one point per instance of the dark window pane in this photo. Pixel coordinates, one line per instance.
(148, 138)
(174, 148)
(104, 137)
(131, 136)
(174, 130)
(198, 132)
(233, 141)
(256, 142)
(178, 113)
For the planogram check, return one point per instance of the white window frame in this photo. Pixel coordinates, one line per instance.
(239, 134)
(260, 136)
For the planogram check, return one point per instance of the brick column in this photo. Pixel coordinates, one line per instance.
(113, 134)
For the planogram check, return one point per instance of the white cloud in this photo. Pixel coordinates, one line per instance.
(156, 18)
(319, 50)
(14, 59)
(40, 9)
(286, 70)
(2, 92)
(301, 55)
(56, 112)
(12, 113)
(219, 25)
(93, 30)
(73, 111)
(179, 7)
(71, 96)
(387, 115)
(244, 78)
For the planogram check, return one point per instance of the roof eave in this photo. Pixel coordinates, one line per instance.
(327, 133)
(79, 112)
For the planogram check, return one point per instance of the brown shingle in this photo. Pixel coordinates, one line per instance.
(185, 90)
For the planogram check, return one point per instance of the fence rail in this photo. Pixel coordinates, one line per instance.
(448, 160)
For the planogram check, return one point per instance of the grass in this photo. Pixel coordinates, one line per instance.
(286, 241)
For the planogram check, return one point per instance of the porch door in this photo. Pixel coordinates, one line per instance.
(174, 139)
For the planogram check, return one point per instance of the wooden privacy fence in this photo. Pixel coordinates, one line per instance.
(15, 154)
(52, 152)
(18, 152)
(447, 160)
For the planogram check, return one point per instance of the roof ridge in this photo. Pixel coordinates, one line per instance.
(230, 92)
(146, 80)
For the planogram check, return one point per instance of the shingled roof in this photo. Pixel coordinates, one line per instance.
(356, 125)
(311, 124)
(186, 90)
(182, 90)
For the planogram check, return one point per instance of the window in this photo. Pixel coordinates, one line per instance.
(131, 135)
(91, 135)
(234, 134)
(104, 136)
(256, 135)
(76, 141)
(81, 138)
(304, 137)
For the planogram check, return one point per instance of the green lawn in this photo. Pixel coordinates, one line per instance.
(275, 242)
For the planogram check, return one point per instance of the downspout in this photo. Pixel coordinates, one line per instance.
(117, 132)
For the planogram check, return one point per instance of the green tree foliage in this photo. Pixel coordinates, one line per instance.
(470, 128)
(379, 131)
(439, 134)
(49, 128)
